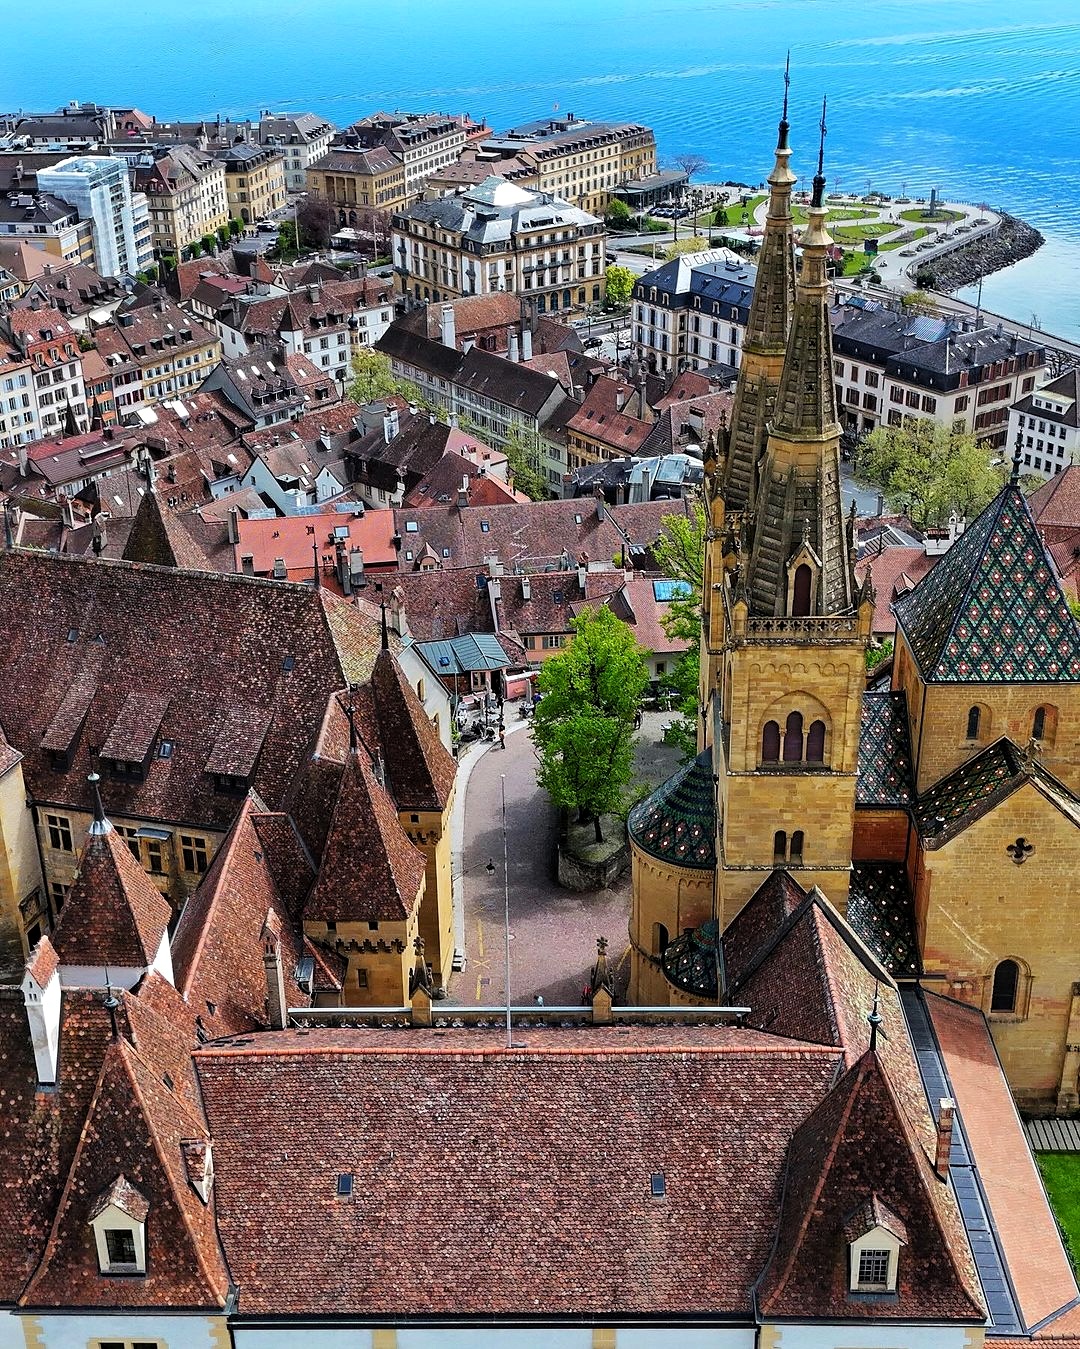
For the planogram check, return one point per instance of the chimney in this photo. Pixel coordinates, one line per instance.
(463, 493)
(601, 504)
(494, 566)
(447, 326)
(390, 424)
(582, 572)
(431, 418)
(41, 998)
(232, 524)
(276, 1007)
(247, 564)
(279, 573)
(526, 587)
(512, 351)
(414, 408)
(526, 342)
(946, 1110)
(620, 399)
(313, 292)
(24, 461)
(356, 563)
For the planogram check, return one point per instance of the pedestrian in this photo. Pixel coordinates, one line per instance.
(502, 738)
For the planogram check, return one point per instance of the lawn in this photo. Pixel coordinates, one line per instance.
(1061, 1176)
(919, 213)
(798, 213)
(908, 237)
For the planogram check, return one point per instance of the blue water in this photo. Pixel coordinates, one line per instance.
(978, 97)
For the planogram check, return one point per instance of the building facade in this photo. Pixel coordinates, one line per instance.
(1047, 420)
(354, 181)
(301, 139)
(693, 311)
(254, 181)
(423, 143)
(500, 237)
(187, 196)
(100, 189)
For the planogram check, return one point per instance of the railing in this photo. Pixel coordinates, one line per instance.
(784, 628)
(447, 1017)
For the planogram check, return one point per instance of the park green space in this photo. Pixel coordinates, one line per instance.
(1061, 1176)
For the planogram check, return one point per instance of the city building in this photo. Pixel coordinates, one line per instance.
(498, 236)
(254, 180)
(153, 350)
(78, 127)
(301, 138)
(1047, 419)
(576, 160)
(20, 420)
(49, 224)
(84, 297)
(44, 338)
(99, 187)
(692, 312)
(355, 181)
(186, 191)
(423, 143)
(890, 365)
(613, 422)
(937, 808)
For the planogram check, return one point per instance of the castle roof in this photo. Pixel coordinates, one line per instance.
(677, 822)
(992, 610)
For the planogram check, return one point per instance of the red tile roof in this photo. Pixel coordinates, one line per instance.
(562, 1121)
(420, 772)
(114, 914)
(290, 538)
(895, 571)
(605, 416)
(1056, 504)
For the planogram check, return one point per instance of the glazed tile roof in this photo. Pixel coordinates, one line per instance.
(958, 799)
(992, 608)
(690, 960)
(677, 822)
(881, 909)
(885, 777)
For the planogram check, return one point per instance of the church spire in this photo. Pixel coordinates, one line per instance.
(766, 329)
(800, 478)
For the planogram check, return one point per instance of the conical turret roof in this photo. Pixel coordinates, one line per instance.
(677, 823)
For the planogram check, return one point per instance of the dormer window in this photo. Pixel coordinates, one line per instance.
(874, 1269)
(875, 1235)
(118, 1217)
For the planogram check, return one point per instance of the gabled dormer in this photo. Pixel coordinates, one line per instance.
(118, 1219)
(803, 581)
(874, 1237)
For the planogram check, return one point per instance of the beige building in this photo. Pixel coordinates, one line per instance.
(356, 181)
(155, 351)
(500, 237)
(423, 143)
(254, 181)
(186, 191)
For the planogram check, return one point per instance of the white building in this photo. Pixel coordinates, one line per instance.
(692, 312)
(1048, 419)
(99, 188)
(301, 138)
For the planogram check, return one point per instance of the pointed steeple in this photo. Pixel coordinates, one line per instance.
(800, 478)
(766, 331)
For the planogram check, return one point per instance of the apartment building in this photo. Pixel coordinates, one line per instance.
(500, 237)
(353, 181)
(154, 351)
(890, 365)
(187, 194)
(48, 223)
(300, 138)
(19, 419)
(99, 187)
(583, 162)
(423, 142)
(44, 340)
(692, 312)
(254, 180)
(1048, 419)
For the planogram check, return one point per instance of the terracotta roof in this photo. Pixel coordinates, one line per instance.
(158, 632)
(1042, 1277)
(123, 1195)
(442, 482)
(636, 602)
(420, 773)
(114, 914)
(43, 962)
(370, 871)
(442, 603)
(1055, 506)
(217, 948)
(291, 537)
(895, 571)
(992, 608)
(600, 416)
(572, 1123)
(858, 1141)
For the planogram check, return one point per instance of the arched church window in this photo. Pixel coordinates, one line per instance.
(801, 590)
(779, 848)
(770, 743)
(1038, 723)
(974, 717)
(815, 742)
(1006, 985)
(793, 738)
(660, 939)
(797, 847)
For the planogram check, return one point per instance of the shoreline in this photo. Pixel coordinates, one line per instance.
(967, 265)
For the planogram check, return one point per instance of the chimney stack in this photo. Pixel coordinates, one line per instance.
(463, 493)
(601, 504)
(276, 1007)
(247, 564)
(356, 563)
(24, 461)
(512, 351)
(41, 998)
(620, 399)
(447, 327)
(279, 573)
(232, 524)
(526, 342)
(946, 1111)
(526, 587)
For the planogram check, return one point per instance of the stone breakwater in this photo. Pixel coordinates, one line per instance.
(1011, 241)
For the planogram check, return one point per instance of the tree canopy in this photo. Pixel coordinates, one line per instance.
(522, 449)
(680, 554)
(619, 285)
(584, 724)
(617, 213)
(928, 471)
(373, 378)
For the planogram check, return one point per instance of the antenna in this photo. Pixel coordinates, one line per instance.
(1014, 476)
(819, 178)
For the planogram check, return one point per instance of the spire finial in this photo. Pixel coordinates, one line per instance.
(819, 178)
(785, 126)
(1014, 476)
(874, 1020)
(350, 712)
(101, 824)
(385, 627)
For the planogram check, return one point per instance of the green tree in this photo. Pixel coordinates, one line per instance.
(695, 244)
(223, 235)
(236, 227)
(209, 243)
(617, 214)
(373, 378)
(194, 250)
(929, 471)
(522, 449)
(619, 286)
(285, 246)
(584, 725)
(680, 554)
(721, 217)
